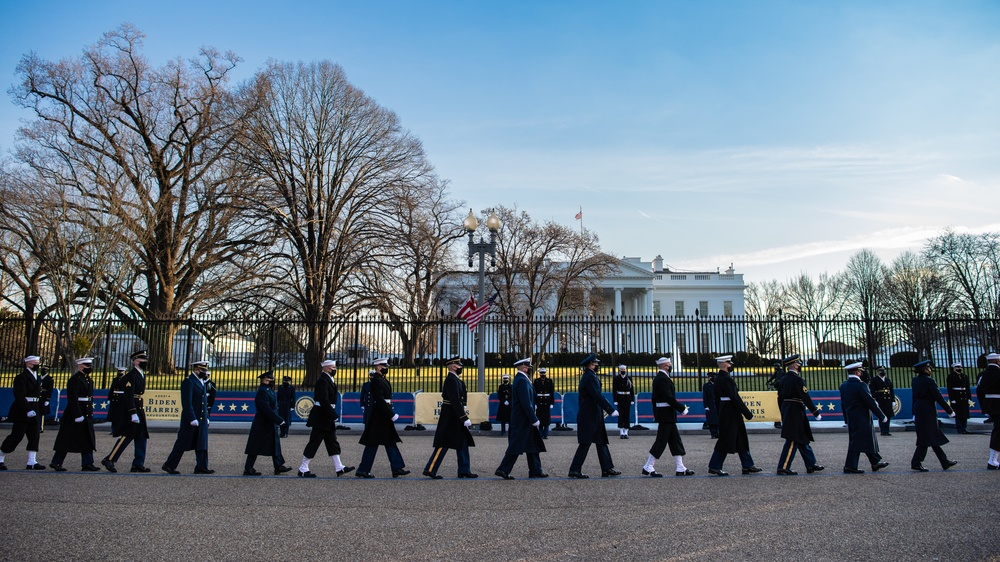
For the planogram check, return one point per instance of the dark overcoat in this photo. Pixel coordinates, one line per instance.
(959, 394)
(264, 430)
(194, 406)
(323, 415)
(380, 429)
(593, 405)
(858, 405)
(708, 401)
(793, 401)
(504, 392)
(884, 394)
(664, 392)
(25, 386)
(988, 392)
(523, 436)
(73, 436)
(925, 420)
(451, 432)
(732, 429)
(133, 386)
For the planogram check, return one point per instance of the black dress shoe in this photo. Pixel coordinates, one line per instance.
(363, 475)
(948, 464)
(89, 468)
(204, 471)
(718, 472)
(57, 467)
(169, 470)
(787, 472)
(432, 476)
(503, 475)
(139, 468)
(35, 466)
(401, 472)
(651, 473)
(991, 467)
(577, 475)
(306, 474)
(540, 475)
(879, 466)
(108, 465)
(3, 466)
(685, 472)
(609, 473)
(345, 470)
(282, 469)
(919, 468)
(251, 472)
(814, 468)
(468, 475)
(750, 469)
(853, 470)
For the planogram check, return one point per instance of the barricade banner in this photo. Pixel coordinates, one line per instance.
(304, 404)
(428, 407)
(162, 405)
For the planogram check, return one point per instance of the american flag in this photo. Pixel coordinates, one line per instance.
(472, 314)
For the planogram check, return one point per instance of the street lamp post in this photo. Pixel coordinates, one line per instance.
(482, 248)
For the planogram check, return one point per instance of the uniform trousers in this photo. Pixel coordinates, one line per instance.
(788, 454)
(368, 458)
(464, 462)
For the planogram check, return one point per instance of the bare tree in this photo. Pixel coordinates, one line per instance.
(145, 150)
(764, 302)
(330, 160)
(813, 304)
(864, 278)
(917, 292)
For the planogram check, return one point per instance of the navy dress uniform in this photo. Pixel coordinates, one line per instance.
(885, 395)
(504, 393)
(263, 439)
(665, 410)
(988, 392)
(380, 429)
(708, 402)
(590, 428)
(732, 429)
(959, 394)
(286, 399)
(524, 437)
(131, 426)
(624, 394)
(24, 414)
(793, 401)
(925, 395)
(453, 425)
(323, 420)
(46, 384)
(76, 430)
(115, 393)
(193, 432)
(858, 405)
(545, 394)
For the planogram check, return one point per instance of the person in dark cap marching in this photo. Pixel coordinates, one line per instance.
(959, 394)
(380, 428)
(504, 391)
(76, 429)
(545, 395)
(793, 401)
(988, 392)
(732, 429)
(24, 413)
(884, 394)
(131, 425)
(624, 396)
(858, 406)
(193, 432)
(925, 421)
(286, 399)
(453, 425)
(524, 436)
(590, 428)
(323, 421)
(264, 430)
(115, 393)
(665, 410)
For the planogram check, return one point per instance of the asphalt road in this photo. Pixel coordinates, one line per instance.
(894, 514)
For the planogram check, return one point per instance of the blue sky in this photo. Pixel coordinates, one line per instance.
(778, 136)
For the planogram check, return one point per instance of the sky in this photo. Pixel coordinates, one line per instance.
(777, 136)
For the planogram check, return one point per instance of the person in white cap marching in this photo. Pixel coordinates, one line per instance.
(24, 414)
(988, 392)
(665, 410)
(732, 429)
(959, 394)
(76, 430)
(379, 427)
(323, 421)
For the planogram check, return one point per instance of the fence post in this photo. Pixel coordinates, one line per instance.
(107, 354)
(270, 346)
(869, 342)
(947, 339)
(697, 342)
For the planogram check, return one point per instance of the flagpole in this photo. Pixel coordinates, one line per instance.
(581, 220)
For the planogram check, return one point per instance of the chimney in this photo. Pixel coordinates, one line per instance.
(657, 264)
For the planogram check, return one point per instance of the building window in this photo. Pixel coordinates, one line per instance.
(727, 308)
(678, 308)
(453, 344)
(703, 277)
(656, 308)
(703, 308)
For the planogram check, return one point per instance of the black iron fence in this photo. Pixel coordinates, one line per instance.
(239, 350)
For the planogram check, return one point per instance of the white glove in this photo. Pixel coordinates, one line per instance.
(135, 418)
(685, 412)
(707, 409)
(32, 413)
(506, 403)
(819, 417)
(194, 423)
(46, 402)
(536, 424)
(467, 423)
(884, 420)
(615, 413)
(550, 406)
(79, 419)
(395, 417)
(208, 422)
(951, 415)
